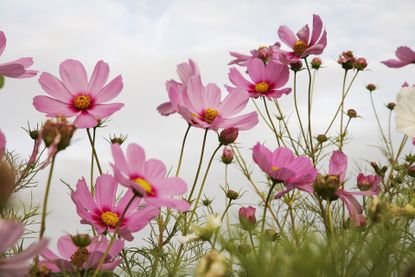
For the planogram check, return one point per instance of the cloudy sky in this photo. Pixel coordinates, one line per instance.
(145, 40)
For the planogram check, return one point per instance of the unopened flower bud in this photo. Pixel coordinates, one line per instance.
(371, 87)
(391, 106)
(360, 64)
(411, 171)
(34, 134)
(326, 186)
(227, 155)
(321, 138)
(346, 59)
(247, 218)
(228, 136)
(316, 63)
(206, 202)
(231, 194)
(296, 66)
(351, 113)
(212, 264)
(271, 235)
(81, 240)
(58, 132)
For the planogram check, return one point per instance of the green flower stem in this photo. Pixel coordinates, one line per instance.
(94, 152)
(161, 225)
(261, 114)
(309, 95)
(285, 126)
(45, 199)
(342, 110)
(199, 166)
(297, 112)
(182, 150)
(221, 219)
(380, 127)
(270, 120)
(266, 205)
(330, 218)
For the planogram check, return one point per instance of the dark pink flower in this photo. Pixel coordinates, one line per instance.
(148, 178)
(17, 68)
(77, 96)
(282, 166)
(202, 107)
(265, 53)
(19, 264)
(368, 182)
(247, 218)
(405, 56)
(101, 211)
(185, 71)
(73, 258)
(302, 44)
(266, 80)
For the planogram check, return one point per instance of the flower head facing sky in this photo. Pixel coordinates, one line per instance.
(75, 96)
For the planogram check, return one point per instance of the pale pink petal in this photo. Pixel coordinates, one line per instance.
(85, 120)
(277, 74)
(234, 102)
(110, 91)
(54, 87)
(282, 157)
(177, 204)
(136, 158)
(212, 95)
(66, 247)
(52, 107)
(187, 70)
(74, 76)
(105, 191)
(338, 165)
(195, 93)
(242, 122)
(262, 157)
(237, 79)
(27, 74)
(172, 186)
(32, 251)
(101, 111)
(99, 77)
(119, 158)
(317, 27)
(256, 70)
(166, 109)
(13, 70)
(154, 170)
(10, 232)
(142, 217)
(82, 196)
(304, 34)
(287, 36)
(277, 93)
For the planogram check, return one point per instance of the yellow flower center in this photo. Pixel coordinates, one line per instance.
(80, 256)
(145, 185)
(110, 219)
(82, 102)
(209, 115)
(275, 168)
(262, 87)
(300, 47)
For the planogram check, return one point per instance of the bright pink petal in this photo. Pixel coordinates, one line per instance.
(166, 109)
(2, 146)
(99, 77)
(277, 93)
(338, 165)
(317, 28)
(395, 63)
(74, 76)
(82, 196)
(405, 53)
(136, 158)
(237, 79)
(54, 87)
(125, 200)
(119, 159)
(262, 157)
(52, 107)
(142, 217)
(2, 42)
(101, 111)
(85, 120)
(110, 91)
(13, 70)
(256, 70)
(277, 74)
(105, 191)
(234, 102)
(287, 36)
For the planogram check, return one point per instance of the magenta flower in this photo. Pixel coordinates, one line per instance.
(202, 107)
(266, 80)
(17, 68)
(185, 71)
(405, 56)
(265, 53)
(148, 178)
(302, 44)
(282, 166)
(104, 214)
(369, 182)
(2, 144)
(74, 258)
(17, 265)
(247, 218)
(76, 96)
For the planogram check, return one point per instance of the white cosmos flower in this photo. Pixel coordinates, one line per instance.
(405, 111)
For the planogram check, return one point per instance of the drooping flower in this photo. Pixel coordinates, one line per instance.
(2, 144)
(282, 166)
(202, 107)
(185, 71)
(75, 95)
(265, 53)
(405, 111)
(17, 265)
(302, 44)
(73, 258)
(17, 68)
(247, 218)
(148, 178)
(368, 182)
(266, 80)
(102, 212)
(405, 56)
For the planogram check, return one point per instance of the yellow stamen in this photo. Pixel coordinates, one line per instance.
(145, 185)
(82, 102)
(209, 115)
(275, 168)
(262, 87)
(300, 47)
(80, 256)
(110, 219)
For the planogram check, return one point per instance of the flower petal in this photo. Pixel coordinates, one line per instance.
(110, 91)
(73, 75)
(52, 107)
(54, 87)
(99, 77)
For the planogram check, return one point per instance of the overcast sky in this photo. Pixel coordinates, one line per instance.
(145, 40)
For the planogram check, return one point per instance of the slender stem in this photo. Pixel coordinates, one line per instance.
(389, 133)
(342, 110)
(329, 218)
(114, 235)
(285, 126)
(297, 112)
(94, 151)
(266, 205)
(261, 114)
(159, 247)
(310, 80)
(221, 219)
(45, 199)
(380, 126)
(290, 209)
(270, 120)
(312, 86)
(252, 243)
(199, 166)
(182, 150)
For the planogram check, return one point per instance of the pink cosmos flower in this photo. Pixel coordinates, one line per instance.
(17, 265)
(266, 80)
(368, 182)
(185, 71)
(148, 178)
(405, 56)
(2, 144)
(77, 96)
(74, 258)
(282, 166)
(265, 53)
(202, 107)
(104, 214)
(302, 44)
(17, 68)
